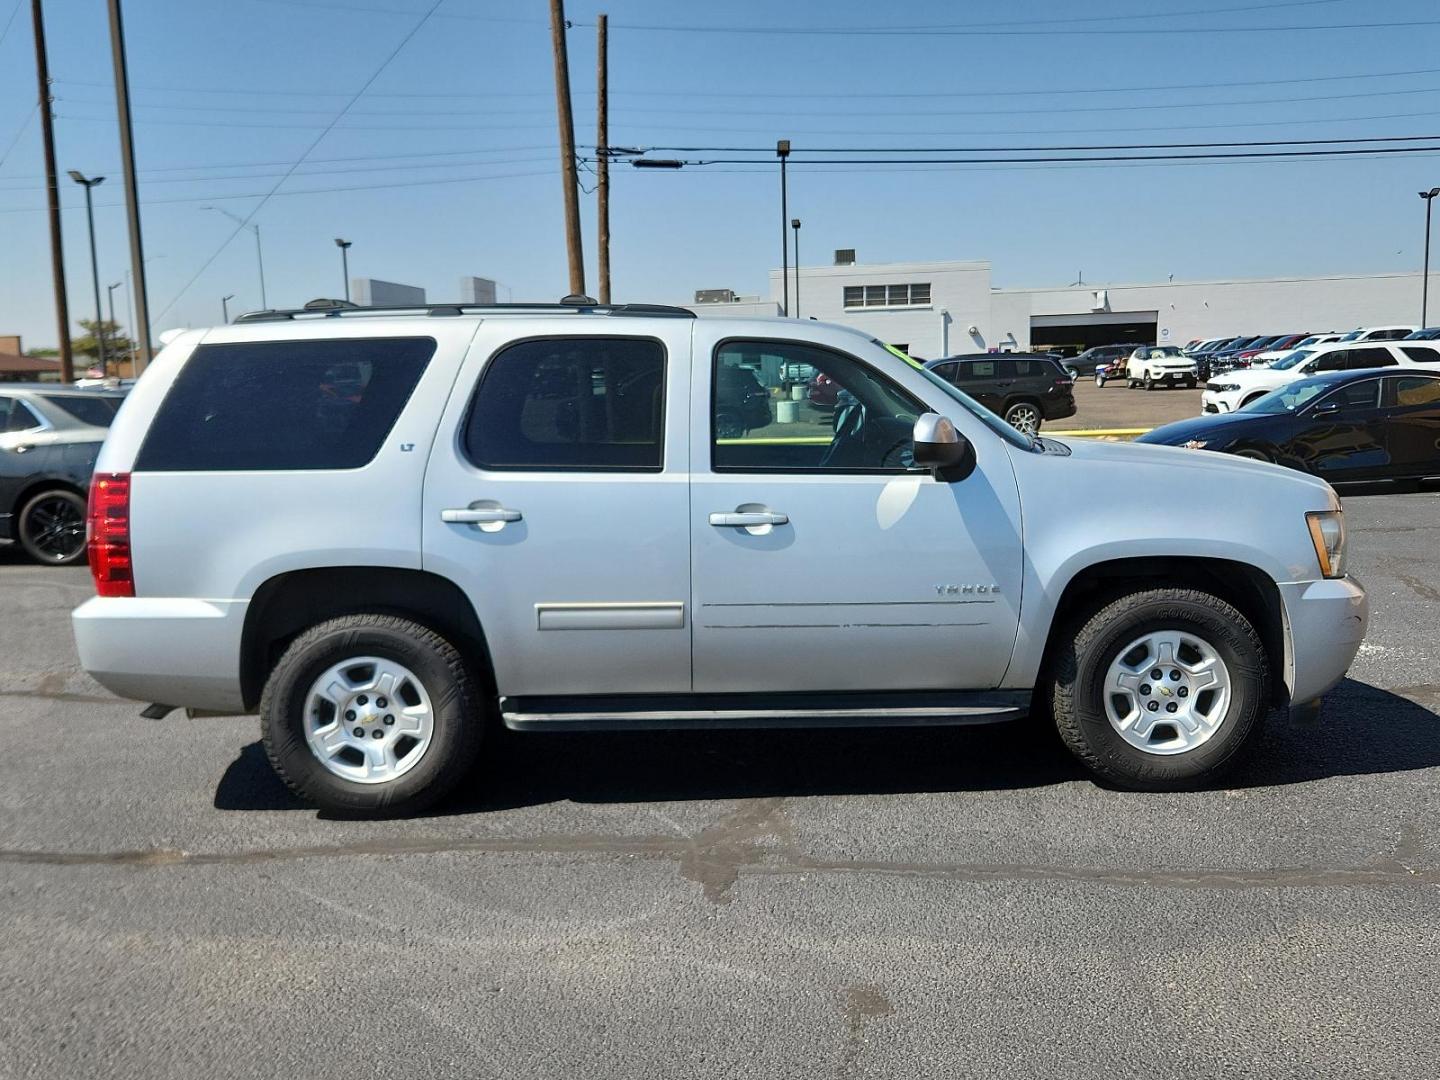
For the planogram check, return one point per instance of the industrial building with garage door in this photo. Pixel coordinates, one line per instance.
(935, 309)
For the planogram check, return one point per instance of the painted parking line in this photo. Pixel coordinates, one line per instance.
(1104, 433)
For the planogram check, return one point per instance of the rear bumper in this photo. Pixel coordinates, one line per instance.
(1058, 408)
(1325, 623)
(172, 651)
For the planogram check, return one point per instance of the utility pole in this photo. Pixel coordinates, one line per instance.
(225, 308)
(568, 177)
(782, 151)
(602, 156)
(132, 194)
(52, 195)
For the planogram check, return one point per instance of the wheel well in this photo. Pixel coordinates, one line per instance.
(289, 604)
(1253, 397)
(1021, 399)
(1248, 588)
(48, 484)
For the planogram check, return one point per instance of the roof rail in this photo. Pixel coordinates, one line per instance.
(329, 309)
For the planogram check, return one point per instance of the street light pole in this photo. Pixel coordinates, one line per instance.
(225, 308)
(795, 225)
(88, 185)
(110, 307)
(259, 255)
(1429, 197)
(344, 246)
(782, 151)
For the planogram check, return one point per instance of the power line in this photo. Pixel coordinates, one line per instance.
(34, 112)
(787, 94)
(10, 21)
(894, 31)
(988, 149)
(308, 150)
(1377, 150)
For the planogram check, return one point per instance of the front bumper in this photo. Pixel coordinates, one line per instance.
(168, 650)
(1325, 622)
(1212, 402)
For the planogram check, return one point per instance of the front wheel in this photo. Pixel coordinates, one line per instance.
(1149, 381)
(1159, 689)
(1023, 416)
(52, 527)
(371, 713)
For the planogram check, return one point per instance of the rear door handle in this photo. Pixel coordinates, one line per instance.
(748, 519)
(467, 516)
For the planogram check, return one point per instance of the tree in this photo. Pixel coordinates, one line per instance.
(116, 344)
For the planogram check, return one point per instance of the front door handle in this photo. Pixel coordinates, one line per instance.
(469, 516)
(748, 519)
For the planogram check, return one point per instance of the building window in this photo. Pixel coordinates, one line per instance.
(913, 295)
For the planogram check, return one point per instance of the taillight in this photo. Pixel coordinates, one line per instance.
(108, 532)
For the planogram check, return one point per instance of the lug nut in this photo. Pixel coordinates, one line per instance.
(378, 733)
(1184, 691)
(389, 719)
(359, 733)
(1155, 675)
(1153, 706)
(361, 700)
(1145, 689)
(1172, 707)
(1174, 676)
(380, 703)
(349, 714)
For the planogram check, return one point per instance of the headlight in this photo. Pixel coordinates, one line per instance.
(1223, 387)
(1327, 532)
(1197, 444)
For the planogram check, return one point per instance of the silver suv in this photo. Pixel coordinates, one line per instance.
(386, 531)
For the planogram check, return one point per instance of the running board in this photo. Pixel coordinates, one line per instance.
(655, 712)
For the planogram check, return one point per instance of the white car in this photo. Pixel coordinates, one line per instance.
(1265, 359)
(1233, 390)
(1160, 365)
(1379, 333)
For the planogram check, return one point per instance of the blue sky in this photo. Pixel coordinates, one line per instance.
(451, 167)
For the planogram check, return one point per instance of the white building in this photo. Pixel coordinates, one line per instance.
(944, 308)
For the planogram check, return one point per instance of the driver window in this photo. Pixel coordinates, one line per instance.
(846, 418)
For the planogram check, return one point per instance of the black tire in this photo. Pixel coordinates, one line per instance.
(1018, 410)
(1189, 384)
(51, 527)
(455, 693)
(1149, 382)
(1090, 644)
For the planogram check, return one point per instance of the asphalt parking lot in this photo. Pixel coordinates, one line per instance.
(1117, 406)
(958, 903)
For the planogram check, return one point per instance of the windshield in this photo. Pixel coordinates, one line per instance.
(1164, 350)
(1290, 360)
(1289, 398)
(984, 415)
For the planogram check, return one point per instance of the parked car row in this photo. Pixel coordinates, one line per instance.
(1232, 391)
(1025, 388)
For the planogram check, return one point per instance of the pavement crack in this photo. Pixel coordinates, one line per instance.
(1422, 589)
(720, 854)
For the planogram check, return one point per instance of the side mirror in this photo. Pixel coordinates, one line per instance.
(942, 449)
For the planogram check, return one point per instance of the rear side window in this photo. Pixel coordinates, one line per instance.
(572, 404)
(1421, 354)
(95, 411)
(1368, 358)
(284, 405)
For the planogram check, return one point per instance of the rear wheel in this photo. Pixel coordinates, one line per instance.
(371, 713)
(1023, 416)
(1159, 688)
(1099, 380)
(51, 527)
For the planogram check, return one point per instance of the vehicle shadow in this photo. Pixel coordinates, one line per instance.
(1364, 731)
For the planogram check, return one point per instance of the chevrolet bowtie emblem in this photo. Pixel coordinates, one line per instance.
(1165, 690)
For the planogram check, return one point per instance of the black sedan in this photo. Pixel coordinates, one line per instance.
(1377, 424)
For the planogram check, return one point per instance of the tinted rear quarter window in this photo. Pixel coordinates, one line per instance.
(95, 411)
(1368, 358)
(284, 404)
(576, 404)
(1421, 354)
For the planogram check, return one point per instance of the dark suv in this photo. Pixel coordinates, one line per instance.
(49, 437)
(1024, 388)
